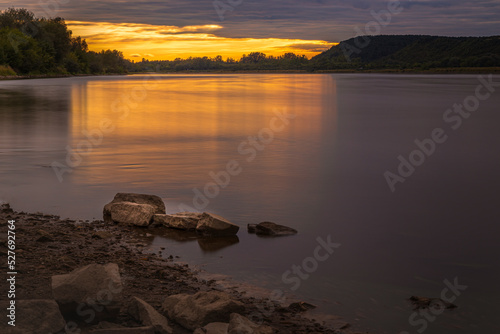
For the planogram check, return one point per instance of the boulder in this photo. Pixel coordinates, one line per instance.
(211, 224)
(97, 286)
(200, 309)
(33, 316)
(273, 230)
(213, 328)
(182, 221)
(131, 214)
(252, 228)
(148, 316)
(155, 201)
(239, 324)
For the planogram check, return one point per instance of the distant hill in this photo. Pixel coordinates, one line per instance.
(410, 51)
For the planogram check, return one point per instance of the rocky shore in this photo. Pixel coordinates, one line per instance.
(95, 277)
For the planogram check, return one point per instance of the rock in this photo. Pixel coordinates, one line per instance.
(274, 230)
(5, 207)
(436, 303)
(148, 316)
(129, 213)
(33, 316)
(125, 330)
(211, 224)
(98, 286)
(301, 307)
(213, 328)
(241, 325)
(182, 221)
(200, 309)
(155, 201)
(252, 228)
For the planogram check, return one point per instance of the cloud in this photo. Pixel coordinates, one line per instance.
(170, 42)
(330, 20)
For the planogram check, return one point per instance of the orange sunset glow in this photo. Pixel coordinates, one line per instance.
(138, 41)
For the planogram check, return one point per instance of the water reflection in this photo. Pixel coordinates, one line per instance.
(207, 244)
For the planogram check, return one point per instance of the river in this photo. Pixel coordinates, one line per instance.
(379, 165)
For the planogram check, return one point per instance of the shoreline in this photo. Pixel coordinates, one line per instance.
(450, 71)
(47, 245)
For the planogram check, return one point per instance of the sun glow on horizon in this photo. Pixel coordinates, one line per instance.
(138, 41)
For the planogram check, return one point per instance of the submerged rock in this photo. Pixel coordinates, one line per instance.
(212, 224)
(424, 303)
(33, 316)
(200, 309)
(155, 201)
(252, 228)
(128, 213)
(273, 230)
(187, 221)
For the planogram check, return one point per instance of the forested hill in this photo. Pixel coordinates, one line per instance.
(410, 51)
(39, 46)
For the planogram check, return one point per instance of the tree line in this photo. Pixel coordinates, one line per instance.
(254, 61)
(410, 52)
(30, 45)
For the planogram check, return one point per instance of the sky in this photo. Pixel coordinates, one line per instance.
(169, 29)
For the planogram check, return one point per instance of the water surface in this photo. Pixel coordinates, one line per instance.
(321, 173)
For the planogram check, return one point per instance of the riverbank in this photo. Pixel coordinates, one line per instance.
(471, 70)
(47, 245)
(53, 76)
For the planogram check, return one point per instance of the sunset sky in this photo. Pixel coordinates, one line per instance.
(168, 29)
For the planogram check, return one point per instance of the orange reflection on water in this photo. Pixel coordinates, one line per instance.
(175, 129)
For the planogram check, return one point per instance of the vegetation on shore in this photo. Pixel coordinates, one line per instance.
(415, 52)
(38, 47)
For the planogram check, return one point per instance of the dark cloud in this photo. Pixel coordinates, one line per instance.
(331, 20)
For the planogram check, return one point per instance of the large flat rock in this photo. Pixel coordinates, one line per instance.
(131, 214)
(186, 221)
(153, 200)
(200, 309)
(212, 224)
